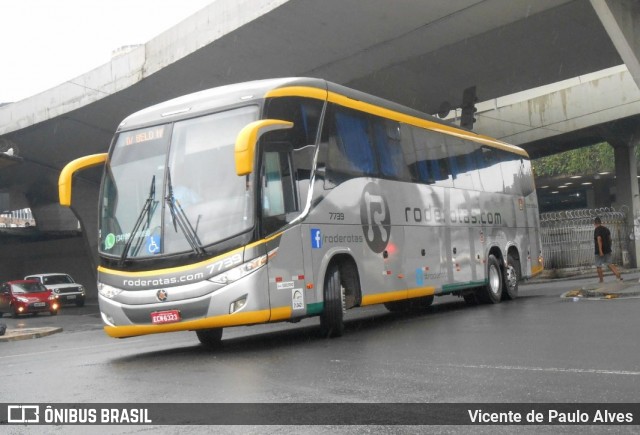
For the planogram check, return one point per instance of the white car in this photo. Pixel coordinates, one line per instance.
(63, 286)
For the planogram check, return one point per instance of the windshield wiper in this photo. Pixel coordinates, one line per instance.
(181, 220)
(148, 209)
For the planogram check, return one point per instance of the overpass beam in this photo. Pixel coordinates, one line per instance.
(627, 192)
(621, 20)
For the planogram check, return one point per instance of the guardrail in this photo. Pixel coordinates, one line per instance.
(567, 237)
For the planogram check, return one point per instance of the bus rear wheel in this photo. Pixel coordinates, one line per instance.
(511, 278)
(211, 338)
(492, 292)
(331, 319)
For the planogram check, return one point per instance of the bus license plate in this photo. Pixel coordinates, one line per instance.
(159, 317)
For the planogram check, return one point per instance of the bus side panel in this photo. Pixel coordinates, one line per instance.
(426, 256)
(288, 296)
(463, 244)
(425, 259)
(532, 266)
(392, 196)
(495, 217)
(360, 218)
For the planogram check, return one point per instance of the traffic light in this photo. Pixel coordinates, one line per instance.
(469, 110)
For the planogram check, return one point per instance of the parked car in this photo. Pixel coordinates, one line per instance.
(63, 287)
(27, 297)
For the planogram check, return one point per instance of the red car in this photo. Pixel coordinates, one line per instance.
(26, 297)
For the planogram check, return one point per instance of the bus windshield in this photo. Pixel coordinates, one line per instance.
(173, 188)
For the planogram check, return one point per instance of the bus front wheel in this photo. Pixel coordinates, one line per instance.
(211, 338)
(331, 319)
(492, 292)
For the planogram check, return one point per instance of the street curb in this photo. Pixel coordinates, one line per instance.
(605, 291)
(578, 274)
(27, 333)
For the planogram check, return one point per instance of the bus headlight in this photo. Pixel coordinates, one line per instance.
(107, 291)
(239, 272)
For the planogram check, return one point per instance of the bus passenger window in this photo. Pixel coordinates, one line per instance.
(490, 172)
(350, 149)
(390, 154)
(462, 163)
(303, 112)
(431, 157)
(526, 177)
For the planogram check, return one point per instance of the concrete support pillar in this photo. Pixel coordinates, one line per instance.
(601, 193)
(53, 217)
(621, 20)
(627, 192)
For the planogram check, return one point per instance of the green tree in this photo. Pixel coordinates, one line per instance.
(581, 161)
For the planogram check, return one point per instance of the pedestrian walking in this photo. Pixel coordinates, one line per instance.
(602, 241)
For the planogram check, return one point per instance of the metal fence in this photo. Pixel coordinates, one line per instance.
(567, 237)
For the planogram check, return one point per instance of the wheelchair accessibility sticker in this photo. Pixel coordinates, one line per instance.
(153, 245)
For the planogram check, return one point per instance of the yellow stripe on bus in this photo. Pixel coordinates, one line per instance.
(225, 320)
(280, 313)
(381, 298)
(333, 97)
(399, 295)
(419, 292)
(418, 122)
(298, 91)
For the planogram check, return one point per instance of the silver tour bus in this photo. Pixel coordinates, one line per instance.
(277, 200)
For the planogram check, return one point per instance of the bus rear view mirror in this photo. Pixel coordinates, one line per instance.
(66, 176)
(248, 138)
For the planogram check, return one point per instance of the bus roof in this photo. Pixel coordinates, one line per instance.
(243, 93)
(211, 99)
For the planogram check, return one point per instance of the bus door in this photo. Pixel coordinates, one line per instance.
(279, 205)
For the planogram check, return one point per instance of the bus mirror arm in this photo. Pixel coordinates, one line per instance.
(247, 140)
(65, 180)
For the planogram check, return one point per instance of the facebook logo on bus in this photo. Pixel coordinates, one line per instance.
(316, 238)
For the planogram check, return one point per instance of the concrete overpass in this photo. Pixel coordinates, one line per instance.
(422, 54)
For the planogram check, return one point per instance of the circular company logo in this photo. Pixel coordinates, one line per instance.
(162, 295)
(109, 241)
(375, 218)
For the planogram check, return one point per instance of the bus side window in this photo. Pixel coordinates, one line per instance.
(526, 176)
(490, 172)
(386, 135)
(350, 152)
(305, 115)
(431, 157)
(277, 187)
(409, 151)
(510, 166)
(462, 163)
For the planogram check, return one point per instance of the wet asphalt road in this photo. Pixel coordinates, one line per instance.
(538, 348)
